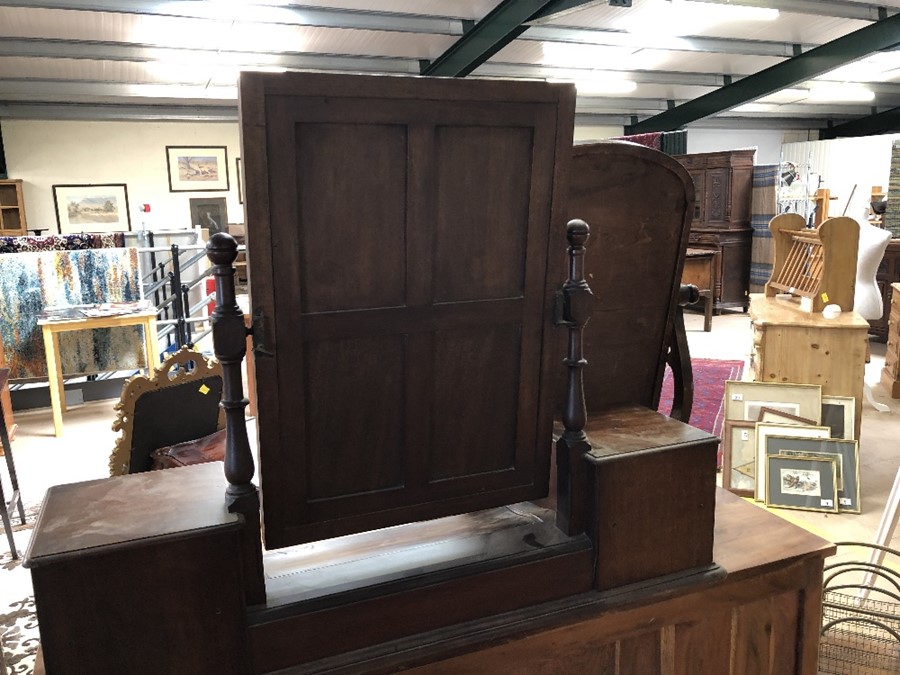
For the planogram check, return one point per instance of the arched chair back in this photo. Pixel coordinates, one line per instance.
(639, 203)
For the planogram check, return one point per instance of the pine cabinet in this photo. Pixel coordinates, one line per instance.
(12, 209)
(724, 185)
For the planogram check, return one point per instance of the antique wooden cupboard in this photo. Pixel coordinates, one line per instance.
(724, 183)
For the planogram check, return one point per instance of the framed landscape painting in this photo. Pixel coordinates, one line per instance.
(197, 169)
(92, 208)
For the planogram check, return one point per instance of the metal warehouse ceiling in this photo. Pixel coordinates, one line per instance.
(654, 65)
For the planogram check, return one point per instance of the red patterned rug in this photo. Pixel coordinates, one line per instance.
(708, 412)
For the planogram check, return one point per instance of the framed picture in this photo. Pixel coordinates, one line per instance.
(739, 457)
(745, 400)
(209, 212)
(197, 169)
(763, 431)
(240, 185)
(779, 417)
(805, 483)
(839, 413)
(845, 453)
(92, 208)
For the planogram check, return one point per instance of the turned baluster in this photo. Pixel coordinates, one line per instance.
(230, 346)
(576, 310)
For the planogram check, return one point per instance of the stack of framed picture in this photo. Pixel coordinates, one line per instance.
(791, 447)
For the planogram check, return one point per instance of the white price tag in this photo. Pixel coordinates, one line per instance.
(844, 501)
(745, 434)
(737, 397)
(828, 503)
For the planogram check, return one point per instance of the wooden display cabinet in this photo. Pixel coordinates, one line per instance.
(12, 209)
(724, 183)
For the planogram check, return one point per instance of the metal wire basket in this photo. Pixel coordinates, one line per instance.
(861, 614)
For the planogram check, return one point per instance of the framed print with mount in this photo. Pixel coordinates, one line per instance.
(745, 400)
(839, 413)
(845, 453)
(197, 169)
(763, 431)
(92, 208)
(805, 483)
(739, 457)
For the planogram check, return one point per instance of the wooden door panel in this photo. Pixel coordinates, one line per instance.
(491, 194)
(484, 446)
(363, 169)
(400, 235)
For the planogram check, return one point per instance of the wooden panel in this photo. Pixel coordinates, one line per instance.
(377, 442)
(703, 646)
(492, 196)
(752, 633)
(399, 233)
(640, 655)
(717, 195)
(362, 168)
(485, 445)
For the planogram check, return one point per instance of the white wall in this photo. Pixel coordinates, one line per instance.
(766, 141)
(47, 153)
(844, 163)
(586, 133)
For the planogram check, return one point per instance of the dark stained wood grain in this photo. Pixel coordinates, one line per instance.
(403, 237)
(768, 560)
(140, 574)
(640, 655)
(633, 265)
(704, 645)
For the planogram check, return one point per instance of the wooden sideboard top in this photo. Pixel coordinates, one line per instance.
(749, 537)
(765, 311)
(82, 518)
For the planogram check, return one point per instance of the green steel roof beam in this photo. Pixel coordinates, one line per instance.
(502, 25)
(878, 36)
(881, 123)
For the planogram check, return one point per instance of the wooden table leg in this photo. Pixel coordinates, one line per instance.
(251, 378)
(151, 345)
(708, 311)
(54, 375)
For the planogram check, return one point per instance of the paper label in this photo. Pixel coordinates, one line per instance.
(204, 389)
(824, 297)
(737, 397)
(844, 501)
(745, 435)
(828, 503)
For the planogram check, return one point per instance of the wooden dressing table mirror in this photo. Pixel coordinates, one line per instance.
(411, 287)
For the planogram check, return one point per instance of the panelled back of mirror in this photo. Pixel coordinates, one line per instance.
(400, 237)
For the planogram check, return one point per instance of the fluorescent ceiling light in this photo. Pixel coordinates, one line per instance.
(840, 92)
(878, 67)
(672, 18)
(608, 85)
(572, 55)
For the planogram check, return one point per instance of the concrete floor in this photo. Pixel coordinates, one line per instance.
(82, 453)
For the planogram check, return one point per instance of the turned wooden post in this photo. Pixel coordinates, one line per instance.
(572, 498)
(229, 344)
